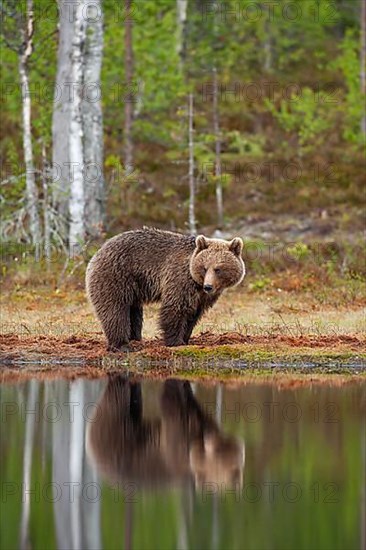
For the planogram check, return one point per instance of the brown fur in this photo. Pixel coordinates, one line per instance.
(149, 265)
(182, 445)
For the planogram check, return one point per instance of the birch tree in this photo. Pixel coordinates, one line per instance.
(181, 27)
(22, 44)
(76, 199)
(46, 205)
(93, 123)
(79, 190)
(61, 115)
(31, 188)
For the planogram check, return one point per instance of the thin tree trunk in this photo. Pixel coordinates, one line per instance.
(181, 26)
(61, 450)
(128, 153)
(76, 201)
(93, 125)
(30, 426)
(77, 462)
(218, 178)
(46, 206)
(91, 508)
(192, 189)
(31, 187)
(363, 62)
(215, 536)
(61, 117)
(267, 48)
(267, 43)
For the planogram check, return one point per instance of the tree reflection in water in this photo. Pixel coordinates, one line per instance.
(74, 453)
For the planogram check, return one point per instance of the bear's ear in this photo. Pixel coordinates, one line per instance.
(236, 246)
(201, 242)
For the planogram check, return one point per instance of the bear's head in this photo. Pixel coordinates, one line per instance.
(216, 264)
(217, 459)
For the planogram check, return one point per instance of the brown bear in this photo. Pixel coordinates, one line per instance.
(187, 274)
(183, 445)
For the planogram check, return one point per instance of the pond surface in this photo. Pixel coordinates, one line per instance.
(114, 463)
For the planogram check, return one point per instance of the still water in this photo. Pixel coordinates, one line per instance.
(117, 463)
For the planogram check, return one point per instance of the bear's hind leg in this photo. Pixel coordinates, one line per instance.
(136, 321)
(117, 327)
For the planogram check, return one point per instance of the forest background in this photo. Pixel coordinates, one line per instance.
(224, 118)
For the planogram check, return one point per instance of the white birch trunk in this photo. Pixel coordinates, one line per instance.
(76, 200)
(192, 187)
(46, 205)
(31, 188)
(181, 27)
(61, 116)
(93, 124)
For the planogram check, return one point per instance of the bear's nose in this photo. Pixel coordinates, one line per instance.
(207, 288)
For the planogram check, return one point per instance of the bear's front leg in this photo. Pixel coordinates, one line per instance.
(192, 320)
(173, 323)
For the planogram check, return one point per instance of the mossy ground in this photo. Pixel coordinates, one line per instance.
(294, 323)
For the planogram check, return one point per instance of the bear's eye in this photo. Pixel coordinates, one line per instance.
(217, 271)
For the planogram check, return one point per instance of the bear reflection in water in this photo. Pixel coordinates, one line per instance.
(185, 444)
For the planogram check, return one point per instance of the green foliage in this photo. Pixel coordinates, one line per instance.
(245, 144)
(308, 114)
(299, 251)
(354, 102)
(260, 284)
(158, 87)
(247, 43)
